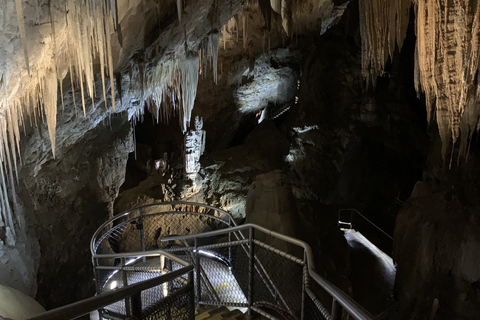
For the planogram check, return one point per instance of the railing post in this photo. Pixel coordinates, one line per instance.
(336, 310)
(125, 284)
(197, 272)
(230, 241)
(162, 270)
(95, 275)
(142, 232)
(351, 219)
(304, 284)
(191, 312)
(96, 279)
(136, 301)
(251, 269)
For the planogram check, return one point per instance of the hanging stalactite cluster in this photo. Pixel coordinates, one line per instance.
(447, 67)
(383, 27)
(80, 33)
(446, 59)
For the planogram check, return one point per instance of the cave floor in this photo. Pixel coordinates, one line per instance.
(372, 273)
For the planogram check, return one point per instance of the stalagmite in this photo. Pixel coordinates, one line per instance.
(194, 149)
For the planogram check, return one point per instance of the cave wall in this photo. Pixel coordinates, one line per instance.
(436, 243)
(72, 196)
(19, 261)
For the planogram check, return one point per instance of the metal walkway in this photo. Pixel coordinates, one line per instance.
(164, 261)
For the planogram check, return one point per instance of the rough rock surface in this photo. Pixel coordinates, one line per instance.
(436, 241)
(19, 263)
(72, 196)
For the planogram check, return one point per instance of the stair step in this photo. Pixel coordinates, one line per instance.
(211, 313)
(232, 315)
(204, 309)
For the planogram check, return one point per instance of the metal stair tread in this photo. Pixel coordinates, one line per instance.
(212, 313)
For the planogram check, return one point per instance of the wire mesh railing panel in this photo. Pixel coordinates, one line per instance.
(118, 273)
(240, 263)
(242, 266)
(140, 228)
(277, 281)
(220, 275)
(179, 305)
(156, 226)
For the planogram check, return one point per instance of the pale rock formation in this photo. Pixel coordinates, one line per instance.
(446, 62)
(16, 305)
(194, 149)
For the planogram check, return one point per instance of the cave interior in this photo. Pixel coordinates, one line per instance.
(303, 109)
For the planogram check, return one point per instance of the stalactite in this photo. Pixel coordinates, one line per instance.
(4, 8)
(188, 76)
(276, 6)
(244, 23)
(176, 79)
(229, 32)
(50, 102)
(383, 26)
(21, 27)
(447, 64)
(447, 55)
(213, 43)
(86, 29)
(179, 9)
(286, 13)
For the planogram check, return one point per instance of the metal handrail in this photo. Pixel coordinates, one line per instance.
(339, 297)
(146, 254)
(355, 310)
(368, 220)
(83, 307)
(230, 220)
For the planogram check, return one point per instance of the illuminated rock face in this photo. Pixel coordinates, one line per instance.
(16, 305)
(194, 149)
(446, 59)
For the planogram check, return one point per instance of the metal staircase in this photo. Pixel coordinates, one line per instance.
(191, 261)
